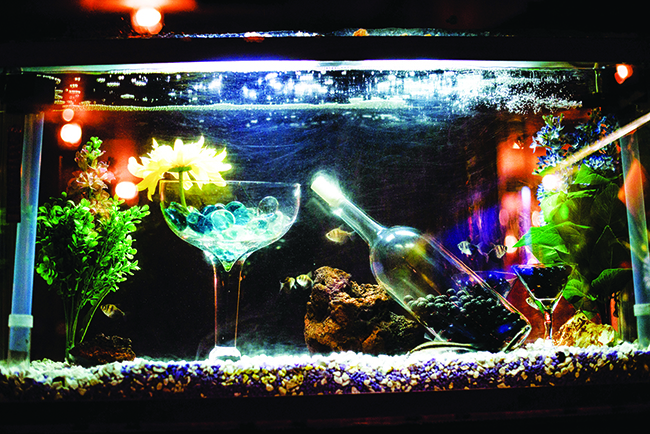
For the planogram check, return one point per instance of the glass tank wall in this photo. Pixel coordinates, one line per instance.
(441, 146)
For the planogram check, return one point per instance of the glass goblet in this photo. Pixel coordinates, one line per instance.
(544, 285)
(228, 221)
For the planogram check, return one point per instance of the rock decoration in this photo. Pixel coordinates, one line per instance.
(103, 349)
(345, 316)
(579, 331)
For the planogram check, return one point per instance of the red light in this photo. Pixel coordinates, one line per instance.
(71, 134)
(509, 241)
(126, 190)
(147, 20)
(67, 114)
(623, 72)
(147, 17)
(126, 5)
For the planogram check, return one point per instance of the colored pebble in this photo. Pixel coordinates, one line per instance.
(337, 373)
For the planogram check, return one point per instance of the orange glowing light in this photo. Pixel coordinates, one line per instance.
(623, 72)
(510, 241)
(147, 20)
(536, 218)
(147, 17)
(67, 114)
(126, 190)
(71, 133)
(128, 5)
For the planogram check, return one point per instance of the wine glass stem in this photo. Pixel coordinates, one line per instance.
(548, 323)
(227, 291)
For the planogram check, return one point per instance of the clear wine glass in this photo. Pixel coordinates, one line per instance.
(544, 285)
(228, 221)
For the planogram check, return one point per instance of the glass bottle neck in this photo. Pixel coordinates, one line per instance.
(358, 220)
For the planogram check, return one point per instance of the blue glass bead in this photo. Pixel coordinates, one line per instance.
(234, 205)
(242, 216)
(211, 208)
(198, 222)
(175, 215)
(221, 219)
(268, 205)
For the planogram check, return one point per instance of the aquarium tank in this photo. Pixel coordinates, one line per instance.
(309, 208)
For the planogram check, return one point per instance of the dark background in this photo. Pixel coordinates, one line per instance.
(64, 19)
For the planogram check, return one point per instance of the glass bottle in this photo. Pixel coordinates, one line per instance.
(451, 301)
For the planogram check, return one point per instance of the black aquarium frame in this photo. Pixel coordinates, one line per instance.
(586, 50)
(585, 407)
(593, 406)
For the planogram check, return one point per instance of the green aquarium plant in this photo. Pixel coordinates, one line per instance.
(584, 223)
(84, 243)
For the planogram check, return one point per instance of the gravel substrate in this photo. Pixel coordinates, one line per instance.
(343, 373)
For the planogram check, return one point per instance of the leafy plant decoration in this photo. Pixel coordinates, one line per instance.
(584, 222)
(85, 243)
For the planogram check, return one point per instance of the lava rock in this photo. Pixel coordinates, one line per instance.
(345, 316)
(102, 349)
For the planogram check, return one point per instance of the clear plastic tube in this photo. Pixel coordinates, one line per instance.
(638, 232)
(20, 319)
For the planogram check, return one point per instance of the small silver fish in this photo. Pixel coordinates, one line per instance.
(499, 250)
(304, 281)
(339, 235)
(111, 311)
(465, 248)
(287, 285)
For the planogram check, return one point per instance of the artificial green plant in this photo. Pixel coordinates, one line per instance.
(584, 222)
(85, 248)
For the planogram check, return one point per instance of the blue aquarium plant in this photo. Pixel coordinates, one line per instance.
(84, 242)
(583, 219)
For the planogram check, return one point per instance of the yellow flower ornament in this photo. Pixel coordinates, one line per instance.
(201, 164)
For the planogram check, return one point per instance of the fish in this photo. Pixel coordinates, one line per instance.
(287, 285)
(339, 235)
(304, 281)
(111, 311)
(465, 248)
(499, 250)
(300, 283)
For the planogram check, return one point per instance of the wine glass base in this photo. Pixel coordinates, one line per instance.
(224, 353)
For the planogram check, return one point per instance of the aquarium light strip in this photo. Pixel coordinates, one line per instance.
(302, 65)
